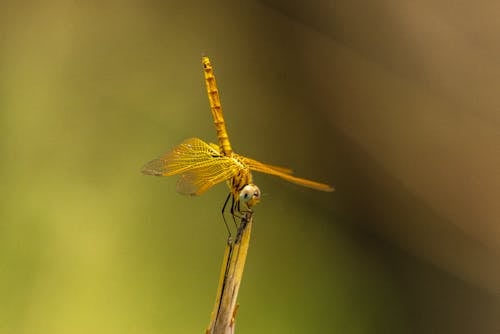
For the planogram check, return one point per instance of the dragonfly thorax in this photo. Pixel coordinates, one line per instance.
(240, 180)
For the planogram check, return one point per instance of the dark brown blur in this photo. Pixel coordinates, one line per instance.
(412, 91)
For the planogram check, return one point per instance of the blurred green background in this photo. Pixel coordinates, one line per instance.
(90, 91)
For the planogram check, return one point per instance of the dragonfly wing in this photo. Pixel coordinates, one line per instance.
(285, 174)
(190, 154)
(197, 181)
(256, 165)
(201, 166)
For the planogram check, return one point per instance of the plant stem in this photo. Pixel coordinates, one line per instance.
(222, 320)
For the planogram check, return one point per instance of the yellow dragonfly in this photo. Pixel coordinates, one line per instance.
(202, 165)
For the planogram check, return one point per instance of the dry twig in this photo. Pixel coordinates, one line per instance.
(222, 320)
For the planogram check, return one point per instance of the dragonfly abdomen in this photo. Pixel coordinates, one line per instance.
(216, 107)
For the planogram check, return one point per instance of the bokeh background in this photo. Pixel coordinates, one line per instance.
(395, 103)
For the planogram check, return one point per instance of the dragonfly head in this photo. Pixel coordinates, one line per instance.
(250, 195)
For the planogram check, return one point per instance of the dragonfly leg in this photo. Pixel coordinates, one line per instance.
(235, 205)
(224, 217)
(246, 211)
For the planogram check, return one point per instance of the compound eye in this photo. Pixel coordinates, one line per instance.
(250, 192)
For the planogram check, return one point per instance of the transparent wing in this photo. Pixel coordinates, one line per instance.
(199, 180)
(284, 173)
(257, 164)
(192, 153)
(200, 164)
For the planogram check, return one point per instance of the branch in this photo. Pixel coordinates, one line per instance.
(223, 316)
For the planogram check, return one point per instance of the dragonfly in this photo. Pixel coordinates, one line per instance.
(202, 165)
